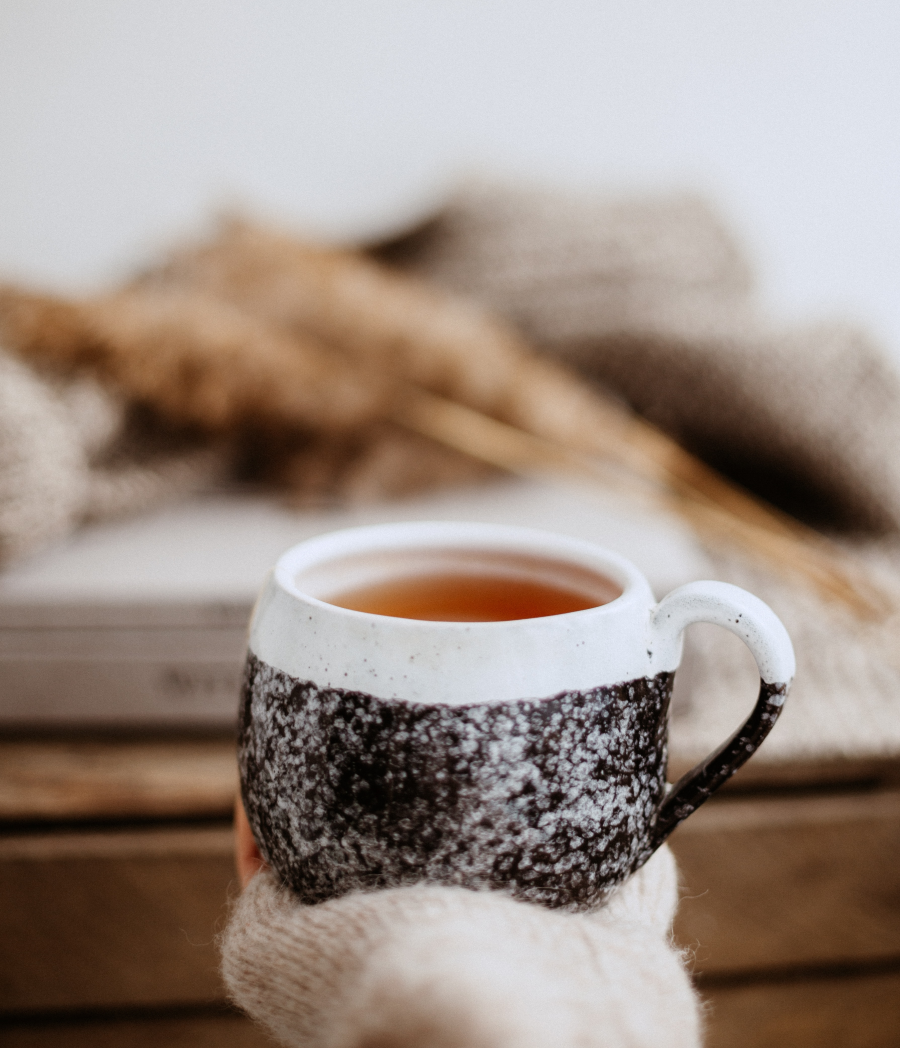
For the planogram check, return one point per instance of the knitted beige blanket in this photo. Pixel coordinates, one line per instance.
(66, 459)
(431, 967)
(653, 297)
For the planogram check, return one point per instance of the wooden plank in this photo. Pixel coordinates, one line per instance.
(791, 882)
(769, 880)
(148, 1031)
(763, 775)
(852, 1011)
(117, 919)
(107, 920)
(849, 1011)
(57, 780)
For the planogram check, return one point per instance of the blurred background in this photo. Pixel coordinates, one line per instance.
(126, 126)
(123, 124)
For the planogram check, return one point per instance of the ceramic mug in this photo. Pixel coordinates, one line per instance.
(527, 756)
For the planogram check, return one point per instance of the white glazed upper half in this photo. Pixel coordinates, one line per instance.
(457, 663)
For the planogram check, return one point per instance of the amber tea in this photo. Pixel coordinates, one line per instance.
(479, 594)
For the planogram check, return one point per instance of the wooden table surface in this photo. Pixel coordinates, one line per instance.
(116, 869)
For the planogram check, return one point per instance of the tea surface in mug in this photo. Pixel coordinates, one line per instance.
(478, 594)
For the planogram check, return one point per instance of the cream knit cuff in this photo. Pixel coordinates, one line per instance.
(432, 967)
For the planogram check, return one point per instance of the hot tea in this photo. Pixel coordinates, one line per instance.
(445, 597)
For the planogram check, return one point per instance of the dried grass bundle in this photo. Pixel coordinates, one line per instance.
(255, 328)
(188, 355)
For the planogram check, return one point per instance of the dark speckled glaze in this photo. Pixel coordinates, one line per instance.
(554, 800)
(698, 785)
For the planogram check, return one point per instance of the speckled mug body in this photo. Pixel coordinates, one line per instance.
(552, 793)
(552, 799)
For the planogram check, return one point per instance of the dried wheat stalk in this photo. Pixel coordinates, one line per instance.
(719, 511)
(453, 351)
(187, 355)
(256, 327)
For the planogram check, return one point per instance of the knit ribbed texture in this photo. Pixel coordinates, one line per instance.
(845, 701)
(60, 464)
(430, 967)
(652, 297)
(43, 467)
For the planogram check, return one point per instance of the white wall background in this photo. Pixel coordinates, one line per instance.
(125, 122)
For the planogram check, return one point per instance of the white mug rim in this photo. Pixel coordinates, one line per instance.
(463, 663)
(455, 663)
(452, 536)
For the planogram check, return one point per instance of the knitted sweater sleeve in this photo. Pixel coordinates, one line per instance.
(432, 967)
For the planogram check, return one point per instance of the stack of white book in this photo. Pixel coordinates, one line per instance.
(142, 623)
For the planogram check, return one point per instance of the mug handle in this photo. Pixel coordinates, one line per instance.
(761, 630)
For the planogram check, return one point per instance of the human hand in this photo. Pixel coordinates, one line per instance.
(247, 857)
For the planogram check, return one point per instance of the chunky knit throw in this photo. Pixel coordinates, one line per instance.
(653, 297)
(65, 459)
